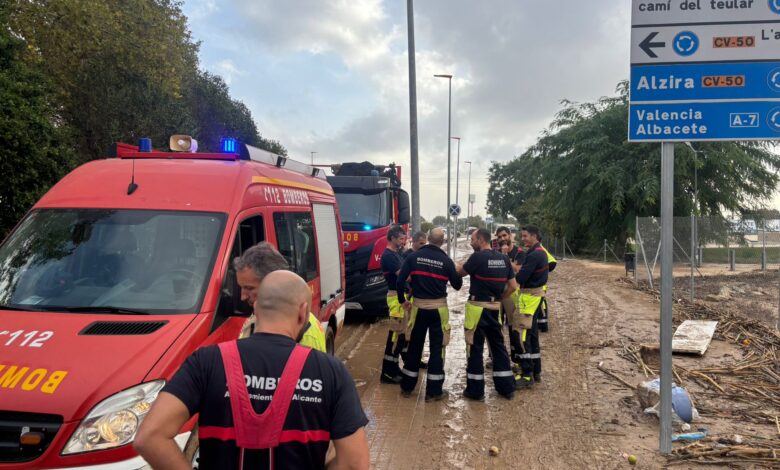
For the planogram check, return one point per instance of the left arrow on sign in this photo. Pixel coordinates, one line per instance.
(647, 45)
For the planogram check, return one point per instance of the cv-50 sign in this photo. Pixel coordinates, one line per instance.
(705, 70)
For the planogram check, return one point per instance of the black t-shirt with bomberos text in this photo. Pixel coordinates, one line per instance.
(325, 404)
(489, 271)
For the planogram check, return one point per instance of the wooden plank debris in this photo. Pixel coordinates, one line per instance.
(693, 336)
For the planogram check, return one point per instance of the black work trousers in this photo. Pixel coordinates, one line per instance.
(390, 365)
(426, 322)
(489, 328)
(544, 317)
(527, 352)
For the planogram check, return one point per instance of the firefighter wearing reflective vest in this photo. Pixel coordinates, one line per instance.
(544, 313)
(391, 265)
(261, 401)
(491, 279)
(428, 270)
(251, 268)
(524, 336)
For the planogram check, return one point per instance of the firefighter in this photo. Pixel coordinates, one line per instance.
(419, 240)
(524, 336)
(492, 278)
(544, 313)
(261, 401)
(504, 234)
(251, 268)
(391, 265)
(429, 269)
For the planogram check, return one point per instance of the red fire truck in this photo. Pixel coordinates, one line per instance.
(370, 202)
(123, 269)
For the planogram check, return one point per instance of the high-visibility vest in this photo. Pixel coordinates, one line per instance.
(264, 430)
(314, 337)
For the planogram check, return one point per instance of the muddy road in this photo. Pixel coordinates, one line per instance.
(572, 419)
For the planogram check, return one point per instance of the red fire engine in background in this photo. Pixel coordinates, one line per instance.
(370, 201)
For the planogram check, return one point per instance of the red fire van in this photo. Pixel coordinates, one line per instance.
(123, 269)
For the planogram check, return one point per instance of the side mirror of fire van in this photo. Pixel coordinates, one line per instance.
(404, 211)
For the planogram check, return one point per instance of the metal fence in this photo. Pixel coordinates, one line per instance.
(715, 260)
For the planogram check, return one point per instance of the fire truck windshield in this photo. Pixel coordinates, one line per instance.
(359, 210)
(109, 261)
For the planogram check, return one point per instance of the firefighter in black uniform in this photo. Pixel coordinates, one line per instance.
(391, 265)
(524, 337)
(429, 269)
(492, 278)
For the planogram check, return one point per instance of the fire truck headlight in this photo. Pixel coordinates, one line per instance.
(115, 420)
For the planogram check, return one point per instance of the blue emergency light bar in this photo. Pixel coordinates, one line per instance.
(367, 227)
(229, 145)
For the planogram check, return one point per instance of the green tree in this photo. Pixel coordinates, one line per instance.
(439, 221)
(34, 143)
(217, 115)
(582, 179)
(118, 66)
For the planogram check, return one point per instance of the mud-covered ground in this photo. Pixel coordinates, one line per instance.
(576, 418)
(754, 293)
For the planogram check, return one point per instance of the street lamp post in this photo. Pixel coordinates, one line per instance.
(457, 188)
(449, 156)
(468, 196)
(414, 160)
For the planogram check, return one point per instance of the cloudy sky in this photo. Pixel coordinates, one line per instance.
(331, 76)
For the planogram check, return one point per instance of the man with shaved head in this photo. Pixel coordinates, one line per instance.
(428, 271)
(262, 401)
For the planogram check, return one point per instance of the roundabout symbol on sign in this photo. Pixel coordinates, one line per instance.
(774, 5)
(773, 119)
(686, 43)
(774, 79)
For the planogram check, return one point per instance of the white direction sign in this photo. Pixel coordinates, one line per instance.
(454, 210)
(701, 11)
(705, 43)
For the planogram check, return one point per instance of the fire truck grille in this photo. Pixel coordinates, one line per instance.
(356, 264)
(14, 424)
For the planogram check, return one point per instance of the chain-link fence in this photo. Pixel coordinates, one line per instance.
(715, 260)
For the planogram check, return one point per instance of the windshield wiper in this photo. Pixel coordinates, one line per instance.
(101, 309)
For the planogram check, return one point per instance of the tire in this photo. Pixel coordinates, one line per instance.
(330, 341)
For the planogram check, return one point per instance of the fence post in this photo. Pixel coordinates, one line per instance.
(564, 247)
(700, 261)
(693, 256)
(605, 251)
(636, 250)
(763, 249)
(732, 259)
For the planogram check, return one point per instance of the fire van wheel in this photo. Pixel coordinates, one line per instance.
(330, 341)
(192, 449)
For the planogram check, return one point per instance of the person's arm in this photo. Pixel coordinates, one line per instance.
(527, 269)
(460, 270)
(456, 280)
(511, 286)
(351, 452)
(155, 439)
(406, 269)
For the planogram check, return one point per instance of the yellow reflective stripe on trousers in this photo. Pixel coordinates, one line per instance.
(473, 315)
(395, 307)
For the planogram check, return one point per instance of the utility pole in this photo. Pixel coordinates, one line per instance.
(449, 159)
(457, 188)
(413, 119)
(468, 208)
(312, 157)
